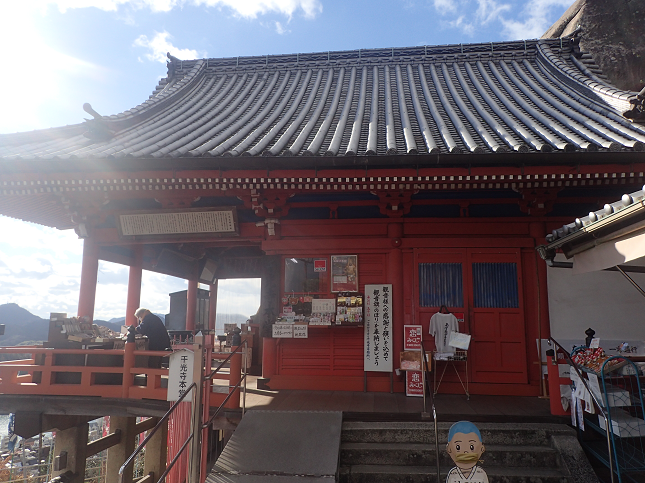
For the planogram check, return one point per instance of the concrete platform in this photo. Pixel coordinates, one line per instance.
(282, 447)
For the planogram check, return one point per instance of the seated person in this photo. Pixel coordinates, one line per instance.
(154, 329)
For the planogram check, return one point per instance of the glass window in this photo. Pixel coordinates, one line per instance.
(495, 285)
(300, 277)
(440, 284)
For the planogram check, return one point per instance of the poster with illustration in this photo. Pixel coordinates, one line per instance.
(344, 273)
(465, 448)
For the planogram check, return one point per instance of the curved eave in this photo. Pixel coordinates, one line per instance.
(250, 163)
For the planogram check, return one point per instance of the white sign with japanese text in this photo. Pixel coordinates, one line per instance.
(180, 374)
(320, 306)
(300, 331)
(377, 355)
(282, 331)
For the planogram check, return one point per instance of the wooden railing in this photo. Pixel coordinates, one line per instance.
(114, 373)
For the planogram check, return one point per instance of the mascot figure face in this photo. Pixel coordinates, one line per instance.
(465, 445)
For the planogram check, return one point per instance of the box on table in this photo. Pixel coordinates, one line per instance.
(615, 396)
(624, 424)
(410, 361)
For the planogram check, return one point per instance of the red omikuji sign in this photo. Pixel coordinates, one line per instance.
(413, 383)
(320, 265)
(412, 337)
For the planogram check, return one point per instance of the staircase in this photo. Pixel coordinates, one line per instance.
(404, 452)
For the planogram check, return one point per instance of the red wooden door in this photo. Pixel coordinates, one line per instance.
(498, 349)
(490, 296)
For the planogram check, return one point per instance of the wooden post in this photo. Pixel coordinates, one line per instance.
(212, 308)
(156, 451)
(191, 304)
(235, 375)
(118, 453)
(198, 376)
(210, 341)
(89, 274)
(395, 276)
(128, 364)
(134, 286)
(69, 448)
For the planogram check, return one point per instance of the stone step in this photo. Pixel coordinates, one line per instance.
(427, 474)
(425, 455)
(532, 434)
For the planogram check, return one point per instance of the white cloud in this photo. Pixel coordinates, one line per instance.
(280, 29)
(253, 8)
(513, 18)
(40, 270)
(490, 10)
(536, 19)
(445, 6)
(243, 8)
(19, 38)
(160, 44)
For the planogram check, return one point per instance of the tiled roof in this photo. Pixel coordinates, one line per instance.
(531, 96)
(611, 212)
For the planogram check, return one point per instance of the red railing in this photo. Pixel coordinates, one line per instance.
(119, 373)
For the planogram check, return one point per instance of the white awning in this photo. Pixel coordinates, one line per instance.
(619, 251)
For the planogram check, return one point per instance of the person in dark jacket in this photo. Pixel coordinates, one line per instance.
(154, 329)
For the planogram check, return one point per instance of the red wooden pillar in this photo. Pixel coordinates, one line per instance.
(134, 286)
(89, 274)
(395, 276)
(542, 329)
(537, 231)
(212, 305)
(191, 304)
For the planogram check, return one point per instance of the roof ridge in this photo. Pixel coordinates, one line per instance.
(381, 54)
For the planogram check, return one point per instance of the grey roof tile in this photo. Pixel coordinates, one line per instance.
(525, 96)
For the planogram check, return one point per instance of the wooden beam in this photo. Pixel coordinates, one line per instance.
(149, 478)
(146, 425)
(103, 443)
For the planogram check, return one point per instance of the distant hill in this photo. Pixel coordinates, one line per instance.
(21, 326)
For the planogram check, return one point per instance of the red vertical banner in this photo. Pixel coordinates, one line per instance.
(412, 337)
(413, 383)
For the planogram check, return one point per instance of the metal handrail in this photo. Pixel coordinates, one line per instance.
(424, 362)
(153, 431)
(595, 399)
(242, 379)
(214, 371)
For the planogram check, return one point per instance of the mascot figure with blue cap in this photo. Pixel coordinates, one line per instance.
(465, 447)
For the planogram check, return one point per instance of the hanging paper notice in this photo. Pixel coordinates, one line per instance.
(282, 331)
(458, 340)
(377, 355)
(344, 273)
(300, 331)
(323, 306)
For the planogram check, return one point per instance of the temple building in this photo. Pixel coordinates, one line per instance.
(432, 170)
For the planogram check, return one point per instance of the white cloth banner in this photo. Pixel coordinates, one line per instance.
(378, 328)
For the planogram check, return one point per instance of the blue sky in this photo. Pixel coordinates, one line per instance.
(59, 54)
